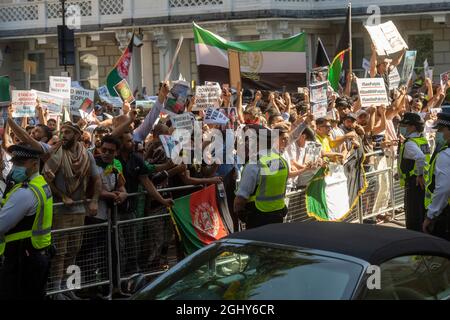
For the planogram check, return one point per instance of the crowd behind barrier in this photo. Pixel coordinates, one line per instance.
(114, 251)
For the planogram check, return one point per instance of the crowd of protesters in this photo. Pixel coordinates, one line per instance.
(107, 159)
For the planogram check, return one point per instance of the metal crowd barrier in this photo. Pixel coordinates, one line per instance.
(109, 253)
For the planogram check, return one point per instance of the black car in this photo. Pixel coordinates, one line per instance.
(311, 260)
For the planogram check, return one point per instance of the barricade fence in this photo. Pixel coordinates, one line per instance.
(97, 257)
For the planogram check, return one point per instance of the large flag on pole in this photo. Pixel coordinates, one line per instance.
(265, 64)
(338, 60)
(121, 69)
(197, 219)
(322, 59)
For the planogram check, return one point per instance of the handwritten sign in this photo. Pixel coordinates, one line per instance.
(207, 96)
(372, 92)
(23, 103)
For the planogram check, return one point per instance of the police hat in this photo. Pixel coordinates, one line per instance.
(23, 152)
(411, 119)
(443, 119)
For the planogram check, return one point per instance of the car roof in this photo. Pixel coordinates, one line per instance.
(372, 243)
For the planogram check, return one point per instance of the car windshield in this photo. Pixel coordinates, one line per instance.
(257, 272)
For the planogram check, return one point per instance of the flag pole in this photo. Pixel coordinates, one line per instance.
(350, 37)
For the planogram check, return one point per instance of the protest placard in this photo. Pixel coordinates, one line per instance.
(214, 116)
(207, 96)
(312, 152)
(23, 103)
(176, 99)
(318, 75)
(319, 110)
(394, 79)
(60, 86)
(104, 96)
(318, 92)
(234, 68)
(386, 39)
(51, 102)
(408, 66)
(146, 104)
(372, 91)
(427, 71)
(168, 143)
(81, 99)
(182, 121)
(124, 91)
(444, 78)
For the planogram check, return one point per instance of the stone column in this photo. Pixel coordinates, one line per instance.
(163, 44)
(264, 29)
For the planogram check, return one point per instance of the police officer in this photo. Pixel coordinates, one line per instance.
(413, 160)
(437, 198)
(25, 225)
(262, 189)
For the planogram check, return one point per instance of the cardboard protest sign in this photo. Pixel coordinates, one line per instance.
(234, 68)
(445, 77)
(81, 99)
(60, 86)
(176, 98)
(207, 96)
(124, 91)
(214, 116)
(386, 39)
(23, 103)
(182, 121)
(408, 66)
(372, 91)
(51, 102)
(394, 79)
(103, 94)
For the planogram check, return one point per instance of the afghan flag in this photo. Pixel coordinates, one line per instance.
(322, 59)
(5, 97)
(334, 74)
(264, 64)
(198, 220)
(344, 45)
(327, 195)
(121, 69)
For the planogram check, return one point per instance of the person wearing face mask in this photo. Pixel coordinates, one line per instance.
(437, 188)
(413, 160)
(25, 224)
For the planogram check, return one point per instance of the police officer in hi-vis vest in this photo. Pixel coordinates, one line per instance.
(262, 189)
(437, 196)
(25, 225)
(413, 160)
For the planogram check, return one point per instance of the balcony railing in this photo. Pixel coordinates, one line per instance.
(42, 15)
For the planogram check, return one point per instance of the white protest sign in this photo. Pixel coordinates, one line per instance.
(394, 79)
(319, 110)
(366, 64)
(52, 102)
(207, 96)
(318, 92)
(444, 78)
(182, 121)
(372, 91)
(104, 96)
(408, 66)
(60, 86)
(81, 99)
(23, 103)
(386, 39)
(214, 116)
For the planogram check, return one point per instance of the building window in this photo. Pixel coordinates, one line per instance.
(38, 81)
(88, 68)
(423, 44)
